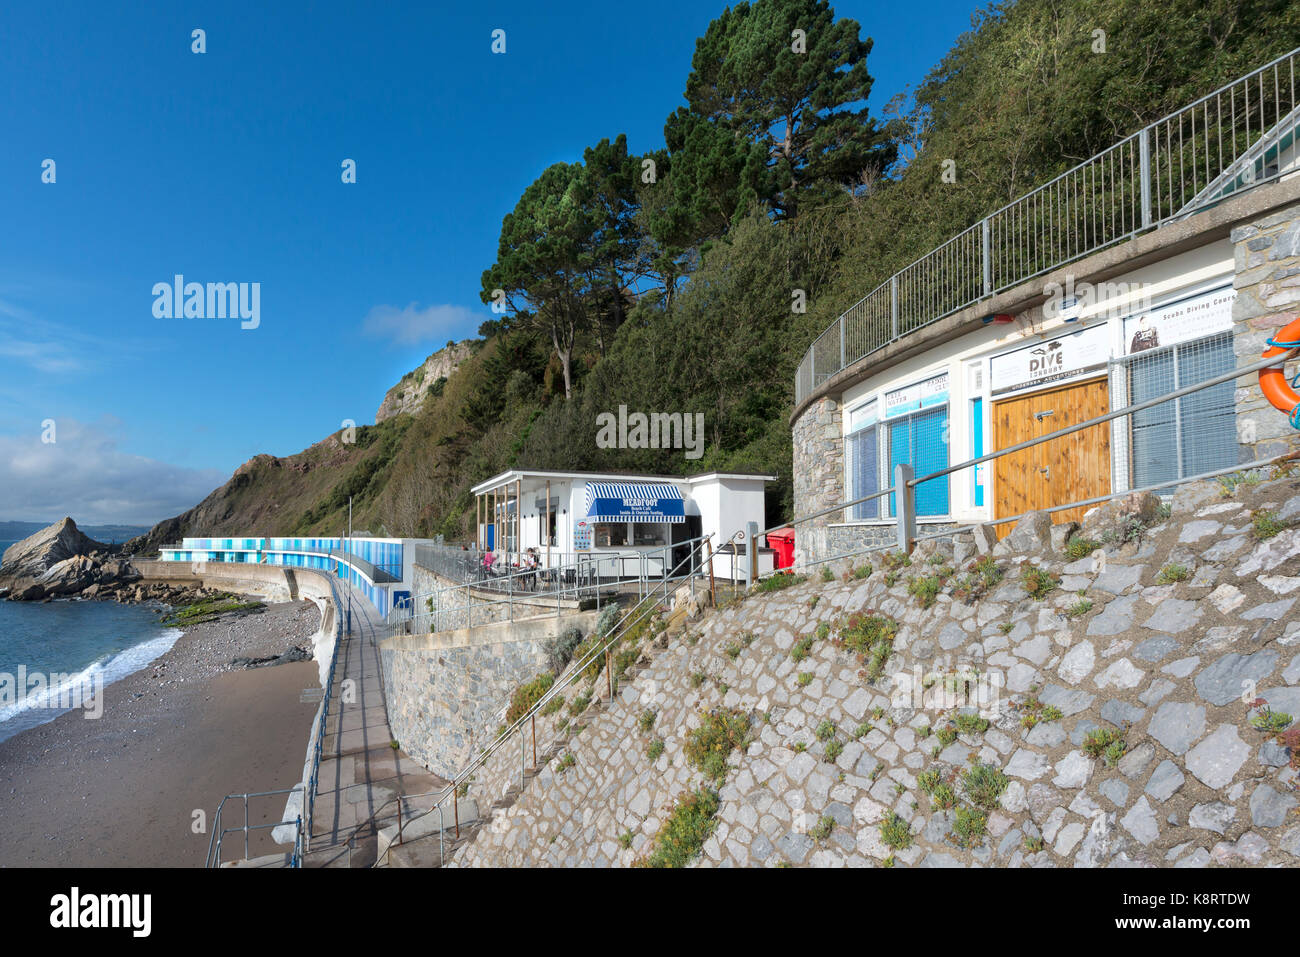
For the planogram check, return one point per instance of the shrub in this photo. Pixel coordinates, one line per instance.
(684, 831)
(925, 588)
(984, 784)
(1270, 721)
(697, 679)
(927, 781)
(833, 750)
(969, 827)
(946, 735)
(862, 730)
(1105, 743)
(552, 706)
(943, 796)
(559, 650)
(863, 571)
(823, 828)
(625, 840)
(872, 637)
(719, 733)
(655, 749)
(971, 723)
(1079, 608)
(566, 762)
(609, 617)
(827, 574)
(779, 582)
(825, 731)
(527, 695)
(801, 648)
(1080, 547)
(805, 679)
(895, 832)
(1173, 572)
(579, 704)
(1035, 711)
(1038, 582)
(1266, 524)
(646, 721)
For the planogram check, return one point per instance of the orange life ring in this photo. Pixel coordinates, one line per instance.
(1272, 382)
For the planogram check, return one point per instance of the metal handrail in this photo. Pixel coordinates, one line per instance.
(218, 835)
(1126, 189)
(574, 580)
(313, 778)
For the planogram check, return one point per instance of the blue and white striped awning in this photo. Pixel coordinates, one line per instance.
(634, 502)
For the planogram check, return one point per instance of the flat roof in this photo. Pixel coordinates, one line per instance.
(511, 475)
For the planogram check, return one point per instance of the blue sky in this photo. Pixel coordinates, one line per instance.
(225, 167)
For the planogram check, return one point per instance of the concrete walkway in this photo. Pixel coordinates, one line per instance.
(361, 773)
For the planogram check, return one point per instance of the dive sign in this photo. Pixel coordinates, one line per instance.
(1065, 357)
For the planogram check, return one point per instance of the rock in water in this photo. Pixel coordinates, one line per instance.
(57, 560)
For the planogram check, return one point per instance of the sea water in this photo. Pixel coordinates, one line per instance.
(74, 644)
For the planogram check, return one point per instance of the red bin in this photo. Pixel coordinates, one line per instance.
(782, 542)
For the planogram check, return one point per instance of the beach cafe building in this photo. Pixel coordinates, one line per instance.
(904, 378)
(621, 520)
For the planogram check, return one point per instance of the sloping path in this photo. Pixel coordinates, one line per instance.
(360, 772)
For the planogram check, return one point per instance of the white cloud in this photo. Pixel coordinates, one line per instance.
(84, 474)
(415, 324)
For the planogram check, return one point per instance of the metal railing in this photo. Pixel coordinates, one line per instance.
(313, 778)
(1226, 142)
(215, 841)
(534, 591)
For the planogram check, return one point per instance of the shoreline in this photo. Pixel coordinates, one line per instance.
(174, 738)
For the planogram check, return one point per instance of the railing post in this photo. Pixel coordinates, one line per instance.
(985, 259)
(893, 306)
(1144, 173)
(708, 557)
(842, 362)
(751, 551)
(905, 499)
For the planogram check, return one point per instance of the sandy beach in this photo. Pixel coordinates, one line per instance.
(175, 737)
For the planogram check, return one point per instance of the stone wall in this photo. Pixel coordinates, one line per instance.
(818, 475)
(1267, 282)
(446, 692)
(1160, 643)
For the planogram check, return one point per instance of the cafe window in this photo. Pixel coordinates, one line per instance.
(649, 533)
(612, 535)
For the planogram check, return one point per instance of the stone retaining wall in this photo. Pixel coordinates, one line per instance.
(1161, 640)
(448, 691)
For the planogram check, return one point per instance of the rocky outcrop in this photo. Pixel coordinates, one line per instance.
(409, 394)
(61, 562)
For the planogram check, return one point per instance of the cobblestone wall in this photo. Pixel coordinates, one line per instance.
(1122, 707)
(818, 475)
(1267, 282)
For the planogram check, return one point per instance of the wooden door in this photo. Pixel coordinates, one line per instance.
(1067, 469)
